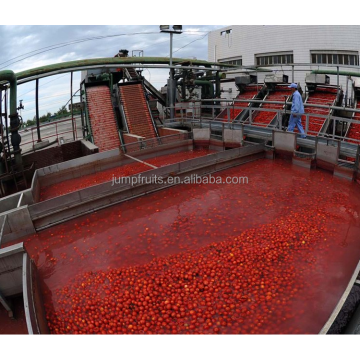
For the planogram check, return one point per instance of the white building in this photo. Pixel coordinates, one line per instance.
(305, 47)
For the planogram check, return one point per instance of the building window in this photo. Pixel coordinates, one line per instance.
(335, 57)
(274, 59)
(237, 61)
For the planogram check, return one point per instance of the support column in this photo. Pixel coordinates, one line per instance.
(72, 111)
(6, 305)
(37, 110)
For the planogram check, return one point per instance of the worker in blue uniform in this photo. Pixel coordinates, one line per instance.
(297, 109)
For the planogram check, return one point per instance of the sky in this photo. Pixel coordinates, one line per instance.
(40, 33)
(30, 46)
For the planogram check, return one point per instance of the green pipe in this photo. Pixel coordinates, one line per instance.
(10, 76)
(221, 76)
(208, 85)
(334, 72)
(111, 61)
(254, 68)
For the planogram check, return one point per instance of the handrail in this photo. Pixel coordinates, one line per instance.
(229, 123)
(342, 108)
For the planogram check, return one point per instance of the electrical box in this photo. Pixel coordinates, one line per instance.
(245, 79)
(276, 79)
(357, 83)
(317, 79)
(242, 80)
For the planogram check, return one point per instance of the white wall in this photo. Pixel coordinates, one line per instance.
(248, 40)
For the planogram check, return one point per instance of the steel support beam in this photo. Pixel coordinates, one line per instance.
(2, 228)
(37, 110)
(6, 305)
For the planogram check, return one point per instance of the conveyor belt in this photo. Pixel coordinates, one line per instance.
(102, 118)
(136, 111)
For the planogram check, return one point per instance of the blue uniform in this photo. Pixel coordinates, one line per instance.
(297, 107)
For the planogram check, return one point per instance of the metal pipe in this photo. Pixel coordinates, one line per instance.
(346, 92)
(111, 84)
(6, 122)
(91, 67)
(72, 111)
(37, 110)
(336, 72)
(217, 85)
(10, 76)
(2, 130)
(161, 63)
(82, 121)
(172, 87)
(171, 46)
(207, 84)
(78, 65)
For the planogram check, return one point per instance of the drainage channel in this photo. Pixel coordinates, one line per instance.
(84, 201)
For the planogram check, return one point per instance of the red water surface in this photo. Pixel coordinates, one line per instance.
(270, 256)
(83, 182)
(322, 96)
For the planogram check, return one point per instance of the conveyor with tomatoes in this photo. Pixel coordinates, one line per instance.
(264, 118)
(249, 93)
(102, 118)
(322, 96)
(354, 129)
(136, 110)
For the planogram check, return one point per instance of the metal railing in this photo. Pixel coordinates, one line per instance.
(275, 121)
(346, 164)
(55, 135)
